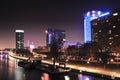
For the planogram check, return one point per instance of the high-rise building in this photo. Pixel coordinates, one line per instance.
(55, 34)
(88, 17)
(19, 39)
(106, 30)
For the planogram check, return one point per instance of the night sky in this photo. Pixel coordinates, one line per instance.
(35, 16)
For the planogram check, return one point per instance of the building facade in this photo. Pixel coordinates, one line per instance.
(55, 35)
(19, 39)
(88, 17)
(106, 30)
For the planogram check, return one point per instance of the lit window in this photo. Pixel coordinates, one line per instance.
(99, 13)
(110, 31)
(19, 35)
(115, 14)
(110, 43)
(96, 33)
(64, 39)
(99, 30)
(94, 23)
(93, 15)
(116, 35)
(98, 19)
(93, 12)
(107, 20)
(88, 14)
(114, 26)
(110, 38)
(18, 41)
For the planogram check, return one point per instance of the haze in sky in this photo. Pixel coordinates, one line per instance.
(34, 17)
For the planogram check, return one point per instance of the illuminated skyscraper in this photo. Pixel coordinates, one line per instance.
(19, 39)
(106, 30)
(55, 34)
(88, 17)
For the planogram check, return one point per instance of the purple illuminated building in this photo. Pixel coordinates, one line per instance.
(57, 35)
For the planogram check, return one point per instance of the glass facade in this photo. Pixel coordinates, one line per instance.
(55, 34)
(19, 39)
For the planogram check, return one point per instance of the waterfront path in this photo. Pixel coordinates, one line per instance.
(97, 70)
(92, 69)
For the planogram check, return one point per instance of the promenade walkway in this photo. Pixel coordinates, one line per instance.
(98, 70)
(91, 69)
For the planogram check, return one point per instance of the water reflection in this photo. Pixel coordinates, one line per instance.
(32, 74)
(57, 77)
(45, 77)
(9, 70)
(67, 77)
(81, 77)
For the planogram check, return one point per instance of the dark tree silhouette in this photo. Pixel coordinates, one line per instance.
(54, 50)
(104, 57)
(89, 49)
(24, 52)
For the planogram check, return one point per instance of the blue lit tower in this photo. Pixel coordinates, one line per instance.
(55, 34)
(19, 39)
(88, 17)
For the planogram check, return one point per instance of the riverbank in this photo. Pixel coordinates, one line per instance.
(86, 69)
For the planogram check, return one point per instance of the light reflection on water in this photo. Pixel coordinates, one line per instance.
(45, 77)
(81, 77)
(9, 70)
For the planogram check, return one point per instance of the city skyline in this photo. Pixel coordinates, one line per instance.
(35, 17)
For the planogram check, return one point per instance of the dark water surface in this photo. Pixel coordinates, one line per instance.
(9, 70)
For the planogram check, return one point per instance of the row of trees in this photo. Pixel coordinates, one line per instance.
(86, 50)
(93, 49)
(23, 52)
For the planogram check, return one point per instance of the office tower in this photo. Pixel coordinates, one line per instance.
(88, 17)
(19, 39)
(55, 35)
(106, 30)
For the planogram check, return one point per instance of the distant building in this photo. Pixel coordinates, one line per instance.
(32, 46)
(19, 39)
(106, 30)
(55, 34)
(88, 17)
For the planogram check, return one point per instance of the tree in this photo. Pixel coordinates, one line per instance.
(72, 50)
(24, 52)
(54, 50)
(104, 57)
(89, 49)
